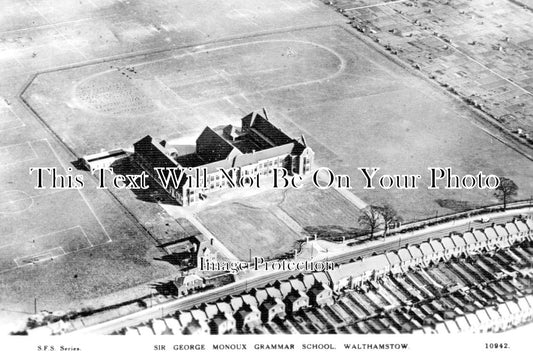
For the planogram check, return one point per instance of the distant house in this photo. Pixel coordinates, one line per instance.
(428, 254)
(222, 323)
(173, 325)
(159, 327)
(260, 295)
(297, 284)
(482, 239)
(295, 301)
(460, 244)
(273, 292)
(195, 327)
(348, 275)
(529, 223)
(395, 264)
(513, 234)
(186, 284)
(406, 259)
(272, 308)
(449, 248)
(247, 317)
(320, 295)
(472, 245)
(523, 231)
(416, 255)
(284, 287)
(503, 236)
(492, 237)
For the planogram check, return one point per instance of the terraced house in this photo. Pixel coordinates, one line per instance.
(254, 150)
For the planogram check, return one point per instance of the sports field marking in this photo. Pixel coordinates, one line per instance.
(45, 255)
(45, 235)
(55, 24)
(340, 69)
(48, 254)
(79, 191)
(374, 5)
(8, 201)
(56, 29)
(4, 152)
(9, 113)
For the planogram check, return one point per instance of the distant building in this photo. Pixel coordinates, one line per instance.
(188, 283)
(256, 148)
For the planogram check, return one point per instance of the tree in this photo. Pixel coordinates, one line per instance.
(371, 219)
(389, 215)
(506, 190)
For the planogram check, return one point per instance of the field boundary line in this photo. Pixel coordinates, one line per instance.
(81, 194)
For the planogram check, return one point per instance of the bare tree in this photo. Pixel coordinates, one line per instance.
(389, 215)
(371, 219)
(506, 190)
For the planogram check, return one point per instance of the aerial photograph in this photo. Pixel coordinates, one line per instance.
(266, 168)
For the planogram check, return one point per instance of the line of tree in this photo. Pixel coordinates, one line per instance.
(375, 217)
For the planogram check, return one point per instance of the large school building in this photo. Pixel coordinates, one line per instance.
(257, 147)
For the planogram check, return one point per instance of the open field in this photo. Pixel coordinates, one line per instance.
(270, 223)
(42, 35)
(56, 244)
(355, 108)
(480, 50)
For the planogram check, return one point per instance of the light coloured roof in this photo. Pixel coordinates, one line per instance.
(469, 238)
(490, 233)
(393, 258)
(447, 243)
(321, 277)
(415, 251)
(511, 228)
(436, 245)
(472, 319)
(404, 254)
(426, 248)
(522, 227)
(479, 235)
(458, 240)
(502, 232)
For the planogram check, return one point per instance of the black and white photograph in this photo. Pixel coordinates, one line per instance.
(266, 176)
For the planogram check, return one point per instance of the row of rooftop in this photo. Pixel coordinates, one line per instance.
(261, 307)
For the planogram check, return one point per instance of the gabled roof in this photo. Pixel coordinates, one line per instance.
(393, 258)
(469, 238)
(490, 233)
(284, 287)
(321, 277)
(426, 248)
(458, 241)
(436, 245)
(501, 231)
(415, 251)
(297, 285)
(273, 292)
(511, 228)
(404, 254)
(447, 243)
(267, 131)
(211, 147)
(522, 227)
(479, 235)
(154, 152)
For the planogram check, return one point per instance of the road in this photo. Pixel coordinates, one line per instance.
(377, 246)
